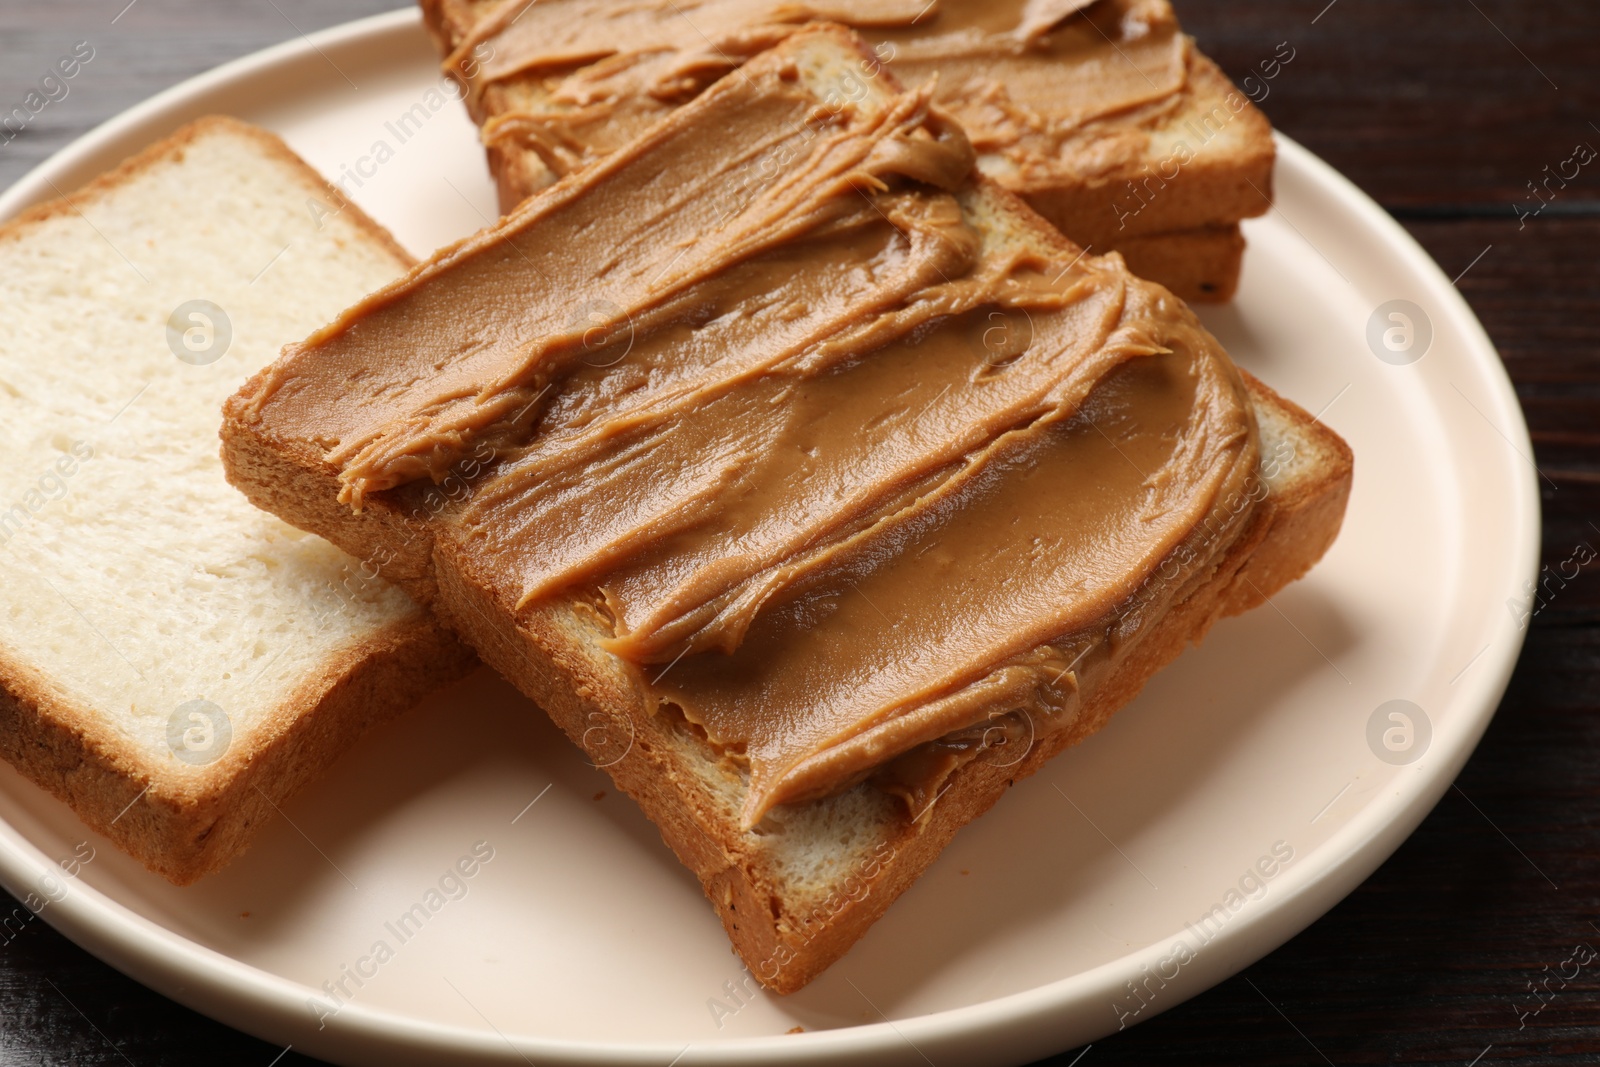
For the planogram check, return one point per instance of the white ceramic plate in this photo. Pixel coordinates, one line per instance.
(584, 941)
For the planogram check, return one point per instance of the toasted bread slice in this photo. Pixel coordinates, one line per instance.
(797, 888)
(1166, 188)
(174, 662)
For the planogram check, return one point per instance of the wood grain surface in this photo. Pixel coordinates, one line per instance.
(1444, 111)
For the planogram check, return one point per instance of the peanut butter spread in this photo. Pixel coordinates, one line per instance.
(857, 472)
(1031, 81)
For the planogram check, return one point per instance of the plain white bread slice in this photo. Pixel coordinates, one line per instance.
(174, 661)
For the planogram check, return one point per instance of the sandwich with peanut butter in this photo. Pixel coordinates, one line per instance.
(1102, 114)
(811, 481)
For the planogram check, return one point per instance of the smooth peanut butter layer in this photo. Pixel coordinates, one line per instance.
(851, 477)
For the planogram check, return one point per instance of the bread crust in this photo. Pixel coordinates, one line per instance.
(184, 822)
(1200, 266)
(184, 826)
(172, 148)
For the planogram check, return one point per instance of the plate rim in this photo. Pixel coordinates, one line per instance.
(270, 1006)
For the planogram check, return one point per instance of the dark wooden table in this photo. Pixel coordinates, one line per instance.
(1444, 111)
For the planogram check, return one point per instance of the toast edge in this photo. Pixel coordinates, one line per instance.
(1199, 266)
(172, 147)
(181, 826)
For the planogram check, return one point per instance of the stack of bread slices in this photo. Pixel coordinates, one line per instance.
(811, 480)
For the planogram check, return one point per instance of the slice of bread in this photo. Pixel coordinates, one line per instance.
(1166, 190)
(796, 890)
(174, 662)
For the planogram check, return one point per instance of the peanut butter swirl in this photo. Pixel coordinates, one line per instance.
(848, 460)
